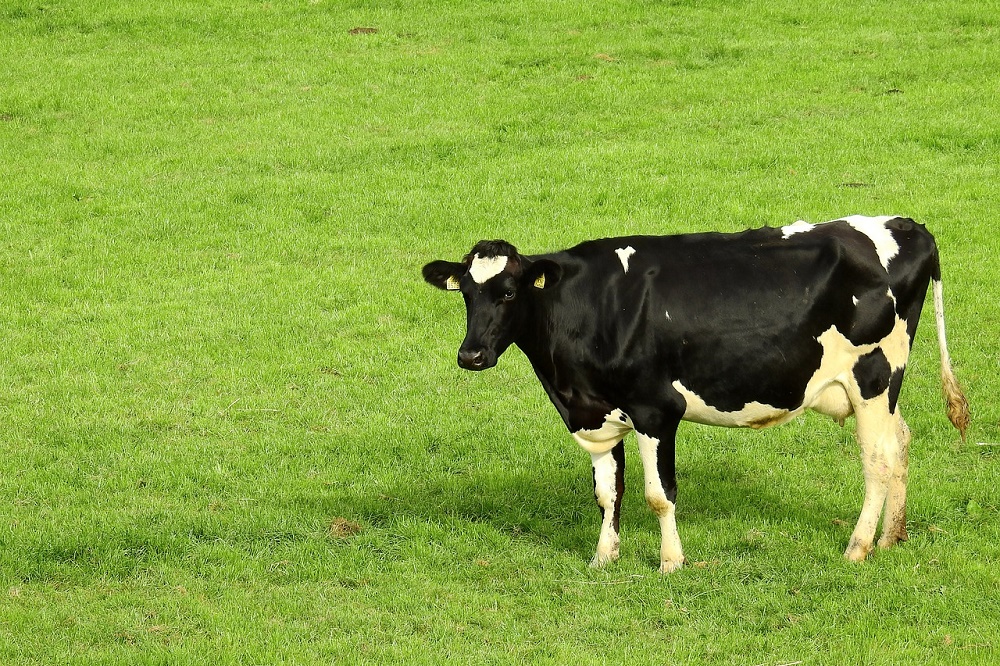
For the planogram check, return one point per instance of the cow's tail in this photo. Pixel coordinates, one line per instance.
(958, 406)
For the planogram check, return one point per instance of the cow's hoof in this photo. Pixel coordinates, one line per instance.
(670, 566)
(890, 540)
(600, 559)
(857, 552)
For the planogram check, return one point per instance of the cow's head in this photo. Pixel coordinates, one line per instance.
(499, 286)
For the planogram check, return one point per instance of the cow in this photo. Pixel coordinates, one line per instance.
(742, 329)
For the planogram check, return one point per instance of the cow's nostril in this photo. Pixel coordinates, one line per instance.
(472, 359)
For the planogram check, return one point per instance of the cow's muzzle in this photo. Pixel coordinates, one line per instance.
(474, 359)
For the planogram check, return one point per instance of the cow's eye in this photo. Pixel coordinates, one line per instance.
(508, 295)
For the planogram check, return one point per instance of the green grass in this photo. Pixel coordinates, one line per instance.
(217, 347)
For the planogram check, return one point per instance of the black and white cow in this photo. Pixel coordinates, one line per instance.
(747, 329)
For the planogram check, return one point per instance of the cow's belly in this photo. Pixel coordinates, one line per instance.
(825, 392)
(752, 415)
(831, 401)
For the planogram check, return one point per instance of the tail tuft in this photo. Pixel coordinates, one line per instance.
(958, 406)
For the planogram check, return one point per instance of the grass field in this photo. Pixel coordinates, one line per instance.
(233, 429)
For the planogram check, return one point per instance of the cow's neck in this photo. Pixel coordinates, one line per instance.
(536, 344)
(540, 346)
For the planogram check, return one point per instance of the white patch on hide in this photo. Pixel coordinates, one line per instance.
(832, 390)
(623, 255)
(797, 228)
(896, 345)
(874, 227)
(752, 415)
(484, 268)
(616, 425)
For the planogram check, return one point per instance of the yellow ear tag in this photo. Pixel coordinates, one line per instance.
(540, 281)
(451, 284)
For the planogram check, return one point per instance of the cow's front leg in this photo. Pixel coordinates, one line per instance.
(604, 444)
(661, 493)
(609, 486)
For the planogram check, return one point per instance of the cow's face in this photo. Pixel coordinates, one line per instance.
(497, 284)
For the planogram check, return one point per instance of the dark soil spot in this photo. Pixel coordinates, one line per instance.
(341, 528)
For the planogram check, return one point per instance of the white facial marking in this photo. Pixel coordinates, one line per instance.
(624, 254)
(668, 314)
(797, 228)
(874, 227)
(855, 299)
(484, 268)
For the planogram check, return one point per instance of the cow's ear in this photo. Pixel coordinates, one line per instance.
(444, 274)
(542, 274)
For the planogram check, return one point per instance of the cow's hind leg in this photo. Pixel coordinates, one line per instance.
(880, 455)
(609, 486)
(894, 519)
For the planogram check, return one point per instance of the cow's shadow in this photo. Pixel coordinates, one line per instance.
(554, 506)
